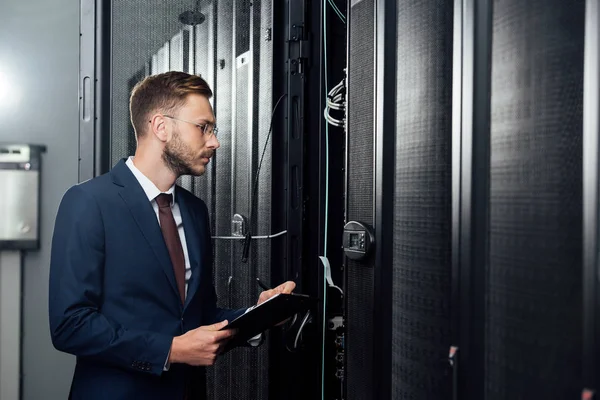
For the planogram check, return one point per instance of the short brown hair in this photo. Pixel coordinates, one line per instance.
(163, 93)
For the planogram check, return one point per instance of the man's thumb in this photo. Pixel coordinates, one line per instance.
(217, 326)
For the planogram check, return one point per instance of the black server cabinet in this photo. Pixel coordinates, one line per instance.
(399, 181)
(492, 250)
(422, 213)
(518, 214)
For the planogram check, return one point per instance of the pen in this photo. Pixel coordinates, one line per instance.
(262, 285)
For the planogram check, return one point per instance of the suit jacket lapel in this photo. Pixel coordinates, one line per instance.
(145, 217)
(194, 237)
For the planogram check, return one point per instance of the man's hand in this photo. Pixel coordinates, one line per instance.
(286, 287)
(200, 346)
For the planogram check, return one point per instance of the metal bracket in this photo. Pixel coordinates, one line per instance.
(87, 90)
(335, 323)
(239, 225)
(294, 125)
(299, 49)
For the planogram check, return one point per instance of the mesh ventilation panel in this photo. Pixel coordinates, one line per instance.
(533, 319)
(422, 211)
(360, 276)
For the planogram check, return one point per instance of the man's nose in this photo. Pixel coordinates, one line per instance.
(213, 142)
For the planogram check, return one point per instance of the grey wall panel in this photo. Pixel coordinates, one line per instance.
(360, 276)
(422, 210)
(39, 48)
(534, 302)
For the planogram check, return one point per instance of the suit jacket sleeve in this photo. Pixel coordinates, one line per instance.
(77, 325)
(213, 313)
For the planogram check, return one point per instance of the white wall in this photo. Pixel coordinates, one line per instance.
(39, 52)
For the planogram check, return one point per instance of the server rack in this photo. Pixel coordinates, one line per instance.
(264, 42)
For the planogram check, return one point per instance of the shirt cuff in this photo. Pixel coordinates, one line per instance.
(167, 363)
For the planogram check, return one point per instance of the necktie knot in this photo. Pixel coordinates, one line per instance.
(164, 200)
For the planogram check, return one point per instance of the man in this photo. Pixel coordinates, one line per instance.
(131, 286)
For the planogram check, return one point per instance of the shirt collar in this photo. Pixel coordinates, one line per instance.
(149, 188)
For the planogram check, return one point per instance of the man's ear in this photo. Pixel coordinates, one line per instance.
(158, 127)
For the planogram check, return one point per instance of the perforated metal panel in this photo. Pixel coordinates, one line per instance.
(244, 373)
(263, 91)
(422, 210)
(203, 64)
(218, 376)
(141, 32)
(360, 276)
(534, 302)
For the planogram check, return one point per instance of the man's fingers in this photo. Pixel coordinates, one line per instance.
(289, 287)
(219, 335)
(286, 287)
(263, 296)
(267, 294)
(224, 335)
(215, 327)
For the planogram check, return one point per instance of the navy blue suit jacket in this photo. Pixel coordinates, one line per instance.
(113, 299)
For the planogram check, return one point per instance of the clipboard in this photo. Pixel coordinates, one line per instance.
(268, 314)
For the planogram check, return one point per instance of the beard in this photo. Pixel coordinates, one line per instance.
(178, 159)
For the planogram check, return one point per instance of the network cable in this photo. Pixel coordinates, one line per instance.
(326, 205)
(339, 13)
(248, 237)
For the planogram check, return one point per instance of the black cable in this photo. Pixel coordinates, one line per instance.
(248, 237)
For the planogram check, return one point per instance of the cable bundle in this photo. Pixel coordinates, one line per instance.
(336, 100)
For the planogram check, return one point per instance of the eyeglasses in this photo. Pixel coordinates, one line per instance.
(207, 130)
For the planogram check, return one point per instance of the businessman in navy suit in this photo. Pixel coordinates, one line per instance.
(131, 286)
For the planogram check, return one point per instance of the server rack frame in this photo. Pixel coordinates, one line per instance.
(470, 191)
(591, 211)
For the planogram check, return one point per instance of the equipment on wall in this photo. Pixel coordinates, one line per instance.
(20, 166)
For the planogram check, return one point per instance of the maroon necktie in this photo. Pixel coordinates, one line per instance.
(172, 240)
